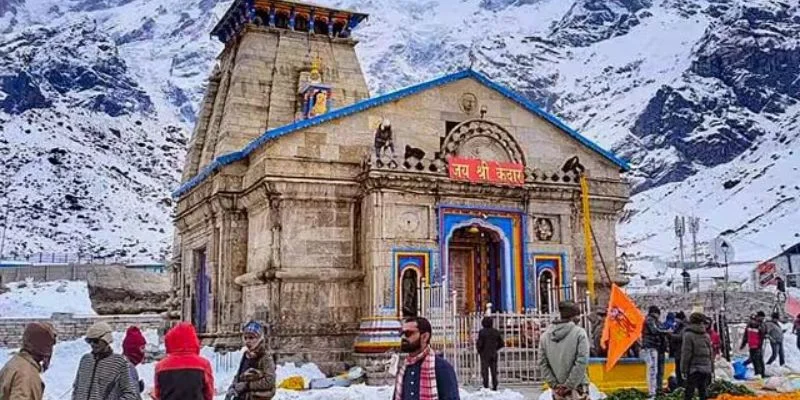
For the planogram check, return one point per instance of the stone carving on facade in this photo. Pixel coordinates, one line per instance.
(544, 229)
(468, 103)
(413, 158)
(484, 140)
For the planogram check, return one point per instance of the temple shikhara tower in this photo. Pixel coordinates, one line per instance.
(311, 205)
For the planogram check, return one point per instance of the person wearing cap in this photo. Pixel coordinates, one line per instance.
(103, 375)
(183, 374)
(775, 337)
(653, 339)
(19, 378)
(255, 379)
(697, 357)
(133, 350)
(565, 355)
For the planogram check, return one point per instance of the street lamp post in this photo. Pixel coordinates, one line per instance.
(725, 249)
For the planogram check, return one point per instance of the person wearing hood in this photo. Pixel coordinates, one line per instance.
(697, 362)
(19, 378)
(133, 350)
(103, 375)
(676, 344)
(255, 379)
(753, 338)
(775, 337)
(183, 374)
(565, 355)
(490, 341)
(653, 339)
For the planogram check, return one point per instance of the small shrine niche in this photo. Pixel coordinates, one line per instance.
(315, 96)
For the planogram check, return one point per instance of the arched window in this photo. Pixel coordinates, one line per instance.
(320, 26)
(301, 23)
(282, 20)
(338, 27)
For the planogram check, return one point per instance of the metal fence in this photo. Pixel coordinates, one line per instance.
(71, 258)
(456, 334)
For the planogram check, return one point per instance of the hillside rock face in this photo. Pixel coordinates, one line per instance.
(119, 290)
(701, 95)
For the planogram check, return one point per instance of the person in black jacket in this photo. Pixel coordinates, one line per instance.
(490, 341)
(652, 341)
(676, 343)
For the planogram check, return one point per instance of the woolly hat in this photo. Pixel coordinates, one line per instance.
(102, 331)
(253, 327)
(132, 345)
(39, 339)
(654, 310)
(568, 310)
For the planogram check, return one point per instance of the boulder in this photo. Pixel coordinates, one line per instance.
(120, 290)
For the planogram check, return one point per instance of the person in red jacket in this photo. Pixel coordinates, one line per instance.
(753, 338)
(183, 374)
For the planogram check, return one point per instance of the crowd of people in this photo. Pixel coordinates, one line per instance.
(564, 354)
(103, 375)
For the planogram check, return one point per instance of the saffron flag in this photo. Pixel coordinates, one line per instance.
(622, 328)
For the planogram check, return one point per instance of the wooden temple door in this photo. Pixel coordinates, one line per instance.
(202, 287)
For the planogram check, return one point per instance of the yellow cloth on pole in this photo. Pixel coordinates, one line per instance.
(587, 236)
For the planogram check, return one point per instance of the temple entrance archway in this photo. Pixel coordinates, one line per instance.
(477, 258)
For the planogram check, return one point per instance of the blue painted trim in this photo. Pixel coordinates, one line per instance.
(395, 271)
(388, 98)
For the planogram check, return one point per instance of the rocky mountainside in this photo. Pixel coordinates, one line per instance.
(97, 98)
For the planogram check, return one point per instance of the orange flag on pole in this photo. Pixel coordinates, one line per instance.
(623, 326)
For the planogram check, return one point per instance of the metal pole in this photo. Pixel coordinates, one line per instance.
(694, 227)
(456, 333)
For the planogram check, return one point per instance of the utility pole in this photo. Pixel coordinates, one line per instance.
(694, 229)
(680, 230)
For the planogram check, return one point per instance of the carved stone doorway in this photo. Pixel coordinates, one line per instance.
(475, 265)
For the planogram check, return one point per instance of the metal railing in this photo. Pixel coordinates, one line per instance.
(456, 334)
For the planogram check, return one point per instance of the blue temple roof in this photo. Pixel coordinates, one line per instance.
(272, 134)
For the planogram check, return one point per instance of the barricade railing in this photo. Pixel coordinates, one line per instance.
(456, 334)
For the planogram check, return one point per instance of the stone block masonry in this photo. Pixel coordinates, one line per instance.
(71, 327)
(739, 305)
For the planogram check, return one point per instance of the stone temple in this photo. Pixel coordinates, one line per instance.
(307, 203)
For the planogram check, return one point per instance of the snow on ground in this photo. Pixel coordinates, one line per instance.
(66, 357)
(30, 299)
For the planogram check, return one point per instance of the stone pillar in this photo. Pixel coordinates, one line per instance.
(231, 261)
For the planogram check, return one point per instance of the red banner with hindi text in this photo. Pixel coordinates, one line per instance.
(480, 171)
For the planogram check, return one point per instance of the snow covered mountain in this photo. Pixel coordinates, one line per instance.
(97, 98)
